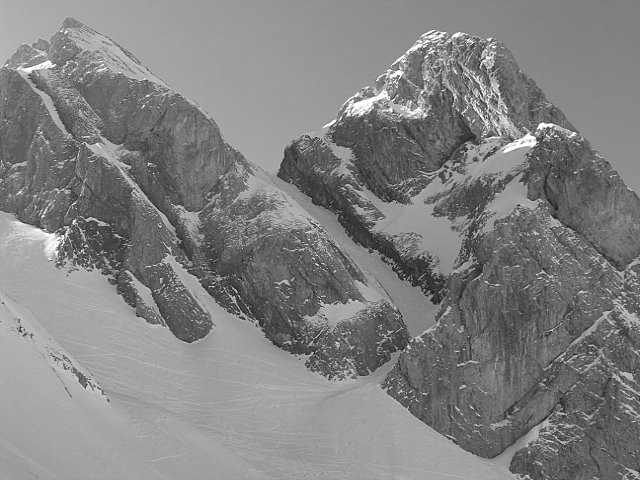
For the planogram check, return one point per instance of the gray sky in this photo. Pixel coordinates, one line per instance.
(268, 71)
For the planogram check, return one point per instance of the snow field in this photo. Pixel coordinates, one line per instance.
(229, 406)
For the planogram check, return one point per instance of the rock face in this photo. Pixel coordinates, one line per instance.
(273, 262)
(390, 138)
(140, 184)
(454, 166)
(592, 430)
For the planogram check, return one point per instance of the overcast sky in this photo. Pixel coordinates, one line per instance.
(268, 71)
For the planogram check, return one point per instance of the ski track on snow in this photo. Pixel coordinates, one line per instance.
(230, 405)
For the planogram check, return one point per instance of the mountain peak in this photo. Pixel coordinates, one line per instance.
(446, 90)
(78, 42)
(439, 36)
(178, 187)
(479, 78)
(71, 22)
(456, 168)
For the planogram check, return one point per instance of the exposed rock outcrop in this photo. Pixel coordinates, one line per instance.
(539, 302)
(587, 194)
(286, 271)
(389, 139)
(535, 288)
(59, 169)
(455, 166)
(593, 429)
(141, 185)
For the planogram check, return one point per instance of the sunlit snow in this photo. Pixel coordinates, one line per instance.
(229, 406)
(437, 234)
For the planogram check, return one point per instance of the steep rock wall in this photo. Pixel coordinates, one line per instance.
(142, 185)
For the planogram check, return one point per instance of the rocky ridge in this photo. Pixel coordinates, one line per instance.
(390, 139)
(455, 166)
(140, 183)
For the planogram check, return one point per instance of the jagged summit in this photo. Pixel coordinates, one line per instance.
(140, 183)
(435, 105)
(456, 168)
(76, 41)
(476, 79)
(71, 22)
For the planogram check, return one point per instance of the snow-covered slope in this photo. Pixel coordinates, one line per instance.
(229, 406)
(56, 420)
